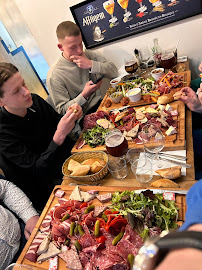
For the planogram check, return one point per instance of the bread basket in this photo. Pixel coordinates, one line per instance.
(80, 157)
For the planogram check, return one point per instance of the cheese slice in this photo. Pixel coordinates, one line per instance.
(169, 108)
(76, 194)
(151, 110)
(51, 252)
(104, 123)
(44, 244)
(171, 131)
(161, 107)
(87, 197)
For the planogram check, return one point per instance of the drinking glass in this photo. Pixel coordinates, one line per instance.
(116, 143)
(145, 56)
(17, 266)
(130, 65)
(153, 140)
(118, 168)
(133, 154)
(142, 169)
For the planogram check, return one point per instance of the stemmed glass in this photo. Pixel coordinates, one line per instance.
(116, 143)
(153, 140)
(145, 56)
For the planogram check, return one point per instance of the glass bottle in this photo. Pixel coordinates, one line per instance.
(157, 53)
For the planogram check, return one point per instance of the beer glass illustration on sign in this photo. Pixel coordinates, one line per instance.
(141, 10)
(157, 6)
(127, 15)
(109, 7)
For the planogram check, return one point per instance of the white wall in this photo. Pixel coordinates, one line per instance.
(42, 18)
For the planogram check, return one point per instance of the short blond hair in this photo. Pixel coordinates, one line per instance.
(68, 29)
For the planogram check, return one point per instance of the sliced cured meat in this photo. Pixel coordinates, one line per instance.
(61, 200)
(132, 236)
(87, 240)
(105, 263)
(93, 191)
(31, 255)
(126, 247)
(91, 249)
(104, 197)
(47, 221)
(90, 221)
(99, 209)
(85, 259)
(154, 231)
(72, 259)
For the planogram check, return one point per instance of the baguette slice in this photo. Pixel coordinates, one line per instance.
(89, 161)
(164, 183)
(81, 170)
(166, 98)
(97, 166)
(73, 165)
(170, 173)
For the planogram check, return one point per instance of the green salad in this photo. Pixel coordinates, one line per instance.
(146, 210)
(95, 136)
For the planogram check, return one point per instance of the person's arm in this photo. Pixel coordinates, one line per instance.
(101, 66)
(41, 164)
(59, 94)
(16, 200)
(189, 97)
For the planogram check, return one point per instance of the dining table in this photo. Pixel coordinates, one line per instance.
(109, 184)
(184, 142)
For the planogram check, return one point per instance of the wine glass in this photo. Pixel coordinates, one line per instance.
(145, 56)
(116, 143)
(17, 266)
(153, 140)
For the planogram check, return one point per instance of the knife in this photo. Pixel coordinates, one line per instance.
(176, 162)
(120, 109)
(172, 156)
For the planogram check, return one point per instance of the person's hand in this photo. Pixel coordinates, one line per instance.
(81, 61)
(200, 67)
(66, 124)
(90, 88)
(77, 110)
(189, 97)
(30, 226)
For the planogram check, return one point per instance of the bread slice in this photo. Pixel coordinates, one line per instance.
(164, 183)
(97, 166)
(166, 98)
(89, 161)
(73, 165)
(81, 170)
(170, 173)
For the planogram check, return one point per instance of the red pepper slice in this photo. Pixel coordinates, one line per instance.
(101, 239)
(84, 204)
(115, 223)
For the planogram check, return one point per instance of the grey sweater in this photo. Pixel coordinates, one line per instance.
(65, 81)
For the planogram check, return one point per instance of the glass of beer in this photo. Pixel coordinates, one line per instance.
(130, 65)
(168, 60)
(116, 143)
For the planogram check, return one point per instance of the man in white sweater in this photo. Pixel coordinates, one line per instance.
(10, 233)
(69, 80)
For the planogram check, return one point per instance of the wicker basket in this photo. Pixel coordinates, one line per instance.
(80, 157)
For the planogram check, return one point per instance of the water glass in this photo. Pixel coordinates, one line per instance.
(142, 169)
(118, 168)
(17, 266)
(133, 154)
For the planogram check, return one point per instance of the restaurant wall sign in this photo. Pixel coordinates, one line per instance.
(103, 21)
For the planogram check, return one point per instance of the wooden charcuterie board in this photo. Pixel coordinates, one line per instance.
(186, 79)
(173, 142)
(180, 203)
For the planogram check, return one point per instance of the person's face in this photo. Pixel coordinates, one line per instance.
(17, 97)
(71, 46)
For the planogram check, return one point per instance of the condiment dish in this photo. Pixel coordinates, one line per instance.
(134, 94)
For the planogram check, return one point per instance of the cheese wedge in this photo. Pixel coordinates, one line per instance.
(51, 252)
(76, 194)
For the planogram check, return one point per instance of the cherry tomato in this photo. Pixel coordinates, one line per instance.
(101, 239)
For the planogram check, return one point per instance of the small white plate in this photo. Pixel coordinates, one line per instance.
(182, 59)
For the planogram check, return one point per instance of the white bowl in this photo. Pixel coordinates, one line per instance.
(134, 94)
(114, 82)
(157, 73)
(116, 97)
